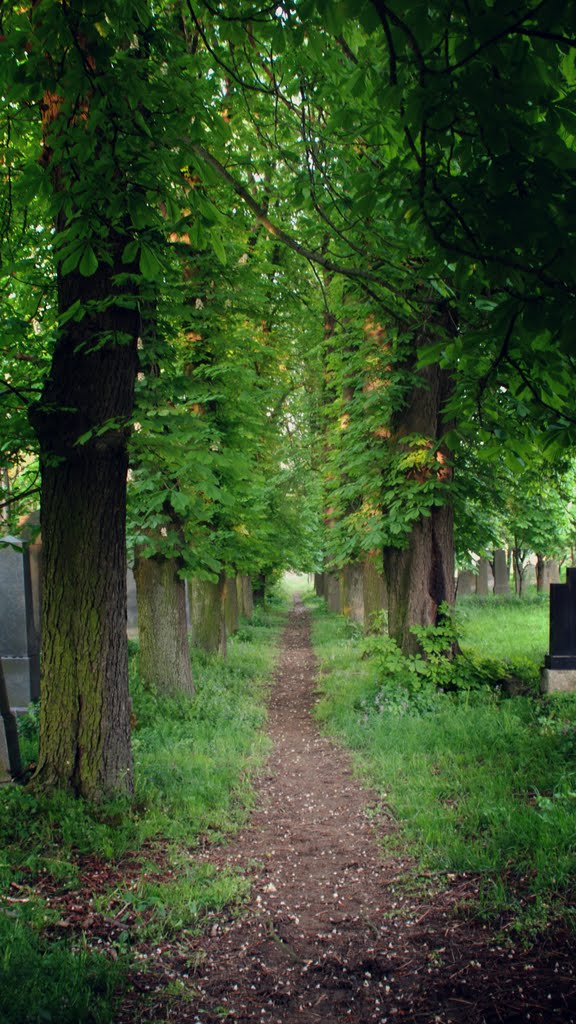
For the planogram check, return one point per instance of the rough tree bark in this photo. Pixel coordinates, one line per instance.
(420, 576)
(207, 613)
(231, 606)
(89, 393)
(164, 656)
(353, 591)
(374, 585)
(85, 714)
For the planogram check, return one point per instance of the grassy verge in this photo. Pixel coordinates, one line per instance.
(505, 627)
(82, 887)
(478, 782)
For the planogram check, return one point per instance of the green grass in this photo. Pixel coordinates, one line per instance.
(505, 627)
(477, 782)
(194, 761)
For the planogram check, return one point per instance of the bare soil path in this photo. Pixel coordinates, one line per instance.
(333, 932)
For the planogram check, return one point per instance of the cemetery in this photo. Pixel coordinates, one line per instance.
(287, 512)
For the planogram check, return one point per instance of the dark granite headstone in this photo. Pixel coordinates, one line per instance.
(563, 624)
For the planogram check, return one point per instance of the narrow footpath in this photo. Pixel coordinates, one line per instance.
(336, 930)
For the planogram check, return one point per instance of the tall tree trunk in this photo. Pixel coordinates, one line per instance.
(519, 570)
(85, 713)
(164, 657)
(374, 587)
(247, 597)
(420, 576)
(540, 574)
(207, 613)
(353, 591)
(231, 607)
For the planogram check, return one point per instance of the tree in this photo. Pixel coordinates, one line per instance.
(99, 182)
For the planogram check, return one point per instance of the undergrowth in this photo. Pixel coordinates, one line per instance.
(478, 780)
(193, 764)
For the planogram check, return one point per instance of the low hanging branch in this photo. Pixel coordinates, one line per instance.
(277, 232)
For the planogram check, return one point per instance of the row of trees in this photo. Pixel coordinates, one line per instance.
(309, 269)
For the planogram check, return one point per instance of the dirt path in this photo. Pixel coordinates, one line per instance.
(332, 931)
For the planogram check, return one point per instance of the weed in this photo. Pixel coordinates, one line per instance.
(478, 783)
(44, 981)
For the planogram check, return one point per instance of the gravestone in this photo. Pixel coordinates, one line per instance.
(552, 570)
(559, 672)
(501, 573)
(466, 583)
(483, 579)
(20, 620)
(10, 763)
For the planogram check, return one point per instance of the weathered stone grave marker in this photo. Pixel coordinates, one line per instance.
(19, 621)
(466, 583)
(10, 764)
(559, 672)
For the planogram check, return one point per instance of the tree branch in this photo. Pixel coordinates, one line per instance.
(277, 232)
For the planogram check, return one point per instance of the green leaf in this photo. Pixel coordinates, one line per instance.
(218, 247)
(130, 251)
(88, 264)
(149, 264)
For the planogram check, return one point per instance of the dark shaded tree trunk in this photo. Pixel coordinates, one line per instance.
(85, 714)
(519, 565)
(319, 584)
(420, 576)
(164, 657)
(540, 574)
(259, 588)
